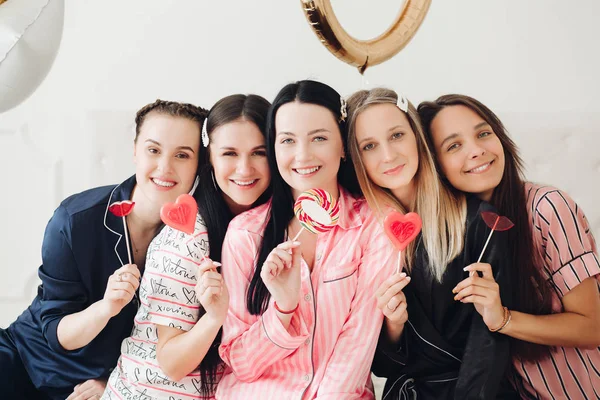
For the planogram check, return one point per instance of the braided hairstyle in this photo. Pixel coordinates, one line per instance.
(172, 108)
(210, 364)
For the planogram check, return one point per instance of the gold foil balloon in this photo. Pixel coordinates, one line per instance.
(364, 53)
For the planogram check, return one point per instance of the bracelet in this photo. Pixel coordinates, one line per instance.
(505, 321)
(283, 311)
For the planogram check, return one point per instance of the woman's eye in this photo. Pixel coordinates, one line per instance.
(260, 153)
(485, 133)
(397, 135)
(368, 147)
(230, 153)
(152, 150)
(453, 146)
(287, 141)
(182, 155)
(320, 139)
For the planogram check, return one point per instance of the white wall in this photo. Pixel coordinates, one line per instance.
(533, 62)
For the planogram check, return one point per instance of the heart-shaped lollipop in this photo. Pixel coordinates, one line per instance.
(402, 229)
(180, 215)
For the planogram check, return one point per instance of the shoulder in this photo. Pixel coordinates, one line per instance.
(90, 200)
(545, 200)
(253, 221)
(79, 210)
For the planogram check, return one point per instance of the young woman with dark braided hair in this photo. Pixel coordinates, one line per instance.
(70, 335)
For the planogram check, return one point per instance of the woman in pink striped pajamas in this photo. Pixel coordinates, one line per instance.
(303, 320)
(555, 323)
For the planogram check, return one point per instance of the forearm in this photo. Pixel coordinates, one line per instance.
(77, 330)
(565, 329)
(182, 354)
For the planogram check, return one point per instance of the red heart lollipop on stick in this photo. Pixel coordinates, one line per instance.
(496, 223)
(402, 229)
(122, 209)
(181, 215)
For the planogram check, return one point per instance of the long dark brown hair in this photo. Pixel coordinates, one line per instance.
(532, 293)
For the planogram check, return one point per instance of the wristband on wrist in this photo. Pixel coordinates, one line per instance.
(284, 311)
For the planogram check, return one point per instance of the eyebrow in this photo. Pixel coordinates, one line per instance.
(393, 128)
(455, 135)
(261, 147)
(313, 132)
(448, 138)
(178, 148)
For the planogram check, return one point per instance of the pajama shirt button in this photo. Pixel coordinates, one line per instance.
(319, 256)
(307, 297)
(306, 377)
(307, 341)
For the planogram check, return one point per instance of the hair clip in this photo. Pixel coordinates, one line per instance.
(205, 138)
(343, 109)
(402, 103)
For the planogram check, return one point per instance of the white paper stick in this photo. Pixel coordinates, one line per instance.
(399, 258)
(488, 239)
(298, 234)
(127, 239)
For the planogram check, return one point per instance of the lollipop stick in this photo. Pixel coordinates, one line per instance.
(399, 258)
(127, 239)
(488, 239)
(297, 234)
(204, 258)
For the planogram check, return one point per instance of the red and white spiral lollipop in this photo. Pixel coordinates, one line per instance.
(317, 211)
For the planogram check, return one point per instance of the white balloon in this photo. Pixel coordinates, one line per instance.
(30, 34)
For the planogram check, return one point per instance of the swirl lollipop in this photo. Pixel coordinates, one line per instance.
(317, 211)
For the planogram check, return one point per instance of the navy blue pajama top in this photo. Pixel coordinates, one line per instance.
(83, 245)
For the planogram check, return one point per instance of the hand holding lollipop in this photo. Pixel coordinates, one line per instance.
(402, 229)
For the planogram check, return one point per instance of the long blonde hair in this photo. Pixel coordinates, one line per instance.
(443, 212)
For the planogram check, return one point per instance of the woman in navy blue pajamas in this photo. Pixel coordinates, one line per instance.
(71, 333)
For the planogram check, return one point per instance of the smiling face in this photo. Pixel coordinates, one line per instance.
(239, 159)
(308, 147)
(166, 158)
(388, 149)
(468, 151)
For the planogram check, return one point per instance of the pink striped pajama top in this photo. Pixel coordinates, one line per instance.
(562, 235)
(328, 349)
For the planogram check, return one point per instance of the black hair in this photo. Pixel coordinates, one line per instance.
(211, 205)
